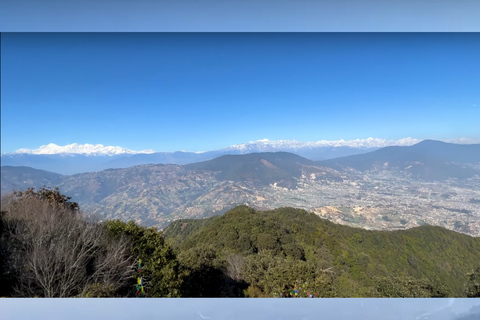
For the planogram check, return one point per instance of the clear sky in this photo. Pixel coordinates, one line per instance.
(204, 91)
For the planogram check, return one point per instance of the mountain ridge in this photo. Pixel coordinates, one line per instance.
(77, 158)
(380, 197)
(76, 148)
(429, 159)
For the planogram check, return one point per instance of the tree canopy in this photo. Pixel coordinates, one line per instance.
(49, 248)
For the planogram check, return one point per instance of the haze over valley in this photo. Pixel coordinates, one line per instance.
(76, 158)
(395, 187)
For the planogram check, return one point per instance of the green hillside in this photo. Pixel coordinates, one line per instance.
(337, 260)
(244, 253)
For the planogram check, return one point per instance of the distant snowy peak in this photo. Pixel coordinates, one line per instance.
(85, 149)
(265, 144)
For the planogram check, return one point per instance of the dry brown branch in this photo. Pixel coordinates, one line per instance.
(57, 252)
(234, 266)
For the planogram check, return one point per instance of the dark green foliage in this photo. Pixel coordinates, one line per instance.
(8, 272)
(472, 287)
(408, 287)
(411, 261)
(267, 241)
(7, 279)
(161, 268)
(205, 274)
(178, 230)
(270, 275)
(201, 273)
(256, 254)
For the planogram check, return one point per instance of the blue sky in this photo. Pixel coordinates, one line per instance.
(204, 91)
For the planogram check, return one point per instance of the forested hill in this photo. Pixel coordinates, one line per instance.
(245, 253)
(423, 261)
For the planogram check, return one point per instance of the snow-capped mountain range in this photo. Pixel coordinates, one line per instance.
(266, 145)
(86, 149)
(263, 145)
(77, 158)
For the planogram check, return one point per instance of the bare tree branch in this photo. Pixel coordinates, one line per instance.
(57, 252)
